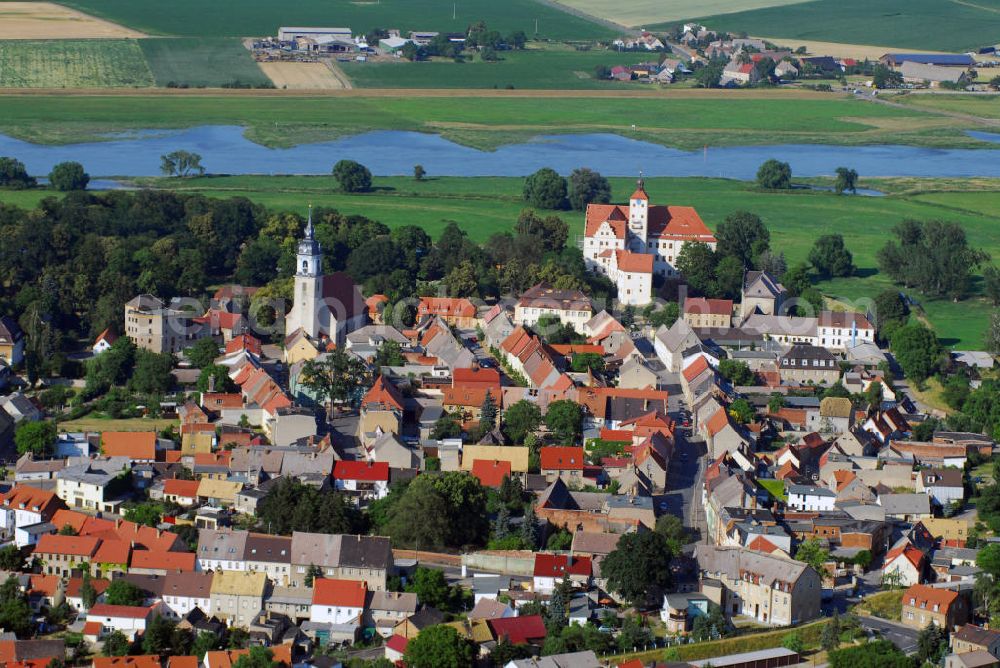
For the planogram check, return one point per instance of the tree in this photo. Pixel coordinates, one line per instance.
(116, 644)
(529, 528)
(709, 75)
(665, 316)
(312, 572)
(587, 187)
(583, 362)
(181, 163)
(776, 402)
(639, 564)
(992, 336)
(796, 280)
(163, 637)
(829, 638)
(14, 175)
(744, 236)
(545, 189)
(258, 657)
(988, 559)
(431, 587)
(696, 261)
(933, 257)
(439, 646)
(830, 257)
(38, 437)
(728, 278)
(774, 175)
(876, 654)
(11, 558)
(932, 643)
(917, 350)
(672, 529)
(69, 176)
(147, 513)
(203, 352)
(88, 594)
(741, 411)
(205, 642)
(453, 508)
(123, 592)
(737, 372)
(353, 177)
(773, 263)
(419, 172)
(462, 281)
(488, 411)
(505, 651)
(890, 311)
(333, 378)
(873, 395)
(390, 353)
(812, 554)
(151, 374)
(863, 559)
(793, 641)
(564, 419)
(446, 426)
(886, 77)
(847, 179)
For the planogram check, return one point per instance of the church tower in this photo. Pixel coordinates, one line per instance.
(638, 215)
(308, 297)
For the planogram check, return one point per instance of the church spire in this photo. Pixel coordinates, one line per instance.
(640, 189)
(309, 225)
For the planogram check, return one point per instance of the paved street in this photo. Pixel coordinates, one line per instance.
(903, 637)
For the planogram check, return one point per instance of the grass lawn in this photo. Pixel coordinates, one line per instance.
(885, 604)
(107, 424)
(776, 488)
(96, 63)
(539, 68)
(687, 119)
(198, 61)
(919, 25)
(484, 206)
(931, 396)
(984, 106)
(251, 18)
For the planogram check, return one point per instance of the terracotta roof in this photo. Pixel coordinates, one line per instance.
(577, 349)
(340, 593)
(924, 596)
(166, 561)
(217, 401)
(843, 478)
(108, 335)
(25, 497)
(469, 396)
(120, 611)
(44, 584)
(490, 472)
(227, 657)
(562, 458)
(695, 368)
(383, 394)
(73, 586)
(78, 546)
(616, 435)
(907, 551)
(112, 552)
(598, 214)
(637, 262)
(843, 320)
(545, 296)
(718, 422)
(185, 488)
(92, 628)
(700, 305)
(138, 661)
(475, 377)
(558, 565)
(244, 342)
(761, 544)
(446, 307)
(361, 470)
(132, 444)
(519, 630)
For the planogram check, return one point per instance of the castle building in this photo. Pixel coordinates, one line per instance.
(632, 243)
(323, 306)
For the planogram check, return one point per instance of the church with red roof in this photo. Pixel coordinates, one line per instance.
(629, 243)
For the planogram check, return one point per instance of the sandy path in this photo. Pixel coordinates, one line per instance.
(46, 20)
(302, 76)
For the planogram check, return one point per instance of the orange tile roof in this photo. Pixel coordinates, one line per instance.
(25, 497)
(695, 368)
(182, 662)
(244, 342)
(761, 544)
(143, 661)
(475, 377)
(45, 584)
(907, 551)
(490, 472)
(562, 458)
(77, 546)
(217, 401)
(718, 422)
(73, 586)
(614, 215)
(924, 596)
(446, 307)
(843, 477)
(786, 470)
(637, 262)
(700, 305)
(132, 444)
(469, 396)
(383, 393)
(185, 488)
(119, 611)
(108, 335)
(341, 593)
(112, 552)
(165, 561)
(577, 349)
(227, 657)
(92, 628)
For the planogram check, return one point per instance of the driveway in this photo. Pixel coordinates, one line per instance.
(903, 637)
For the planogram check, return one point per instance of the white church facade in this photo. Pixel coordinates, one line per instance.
(323, 306)
(632, 243)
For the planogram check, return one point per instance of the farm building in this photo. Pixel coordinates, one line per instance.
(933, 75)
(896, 60)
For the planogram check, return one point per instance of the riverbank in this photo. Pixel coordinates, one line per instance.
(688, 120)
(485, 206)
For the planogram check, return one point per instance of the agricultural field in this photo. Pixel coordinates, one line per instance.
(983, 106)
(484, 206)
(200, 62)
(47, 20)
(533, 68)
(683, 119)
(305, 76)
(73, 64)
(642, 13)
(250, 18)
(948, 25)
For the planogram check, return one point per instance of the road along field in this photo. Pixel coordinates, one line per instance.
(484, 206)
(305, 76)
(640, 13)
(918, 25)
(105, 63)
(47, 20)
(488, 119)
(246, 18)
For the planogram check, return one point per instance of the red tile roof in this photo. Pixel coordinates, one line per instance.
(185, 488)
(119, 611)
(446, 307)
(44, 584)
(700, 305)
(25, 497)
(397, 643)
(132, 444)
(340, 593)
(616, 435)
(77, 546)
(361, 470)
(166, 561)
(475, 378)
(112, 552)
(761, 544)
(73, 586)
(518, 630)
(218, 401)
(139, 661)
(562, 458)
(908, 552)
(490, 472)
(924, 596)
(718, 422)
(108, 335)
(638, 262)
(695, 368)
(92, 628)
(244, 342)
(383, 394)
(472, 397)
(558, 565)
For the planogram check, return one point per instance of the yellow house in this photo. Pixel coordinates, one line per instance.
(223, 491)
(516, 455)
(948, 528)
(298, 348)
(197, 442)
(237, 596)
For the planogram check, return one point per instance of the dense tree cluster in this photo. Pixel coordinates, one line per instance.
(452, 506)
(292, 506)
(933, 257)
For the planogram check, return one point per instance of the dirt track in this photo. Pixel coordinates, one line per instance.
(47, 20)
(304, 76)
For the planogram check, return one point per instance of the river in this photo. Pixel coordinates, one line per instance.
(225, 150)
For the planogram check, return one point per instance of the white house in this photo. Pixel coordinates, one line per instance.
(807, 497)
(571, 307)
(337, 601)
(551, 569)
(943, 485)
(364, 480)
(906, 563)
(86, 485)
(129, 619)
(183, 592)
(840, 329)
(24, 509)
(617, 236)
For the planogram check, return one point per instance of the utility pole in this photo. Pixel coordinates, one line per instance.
(454, 10)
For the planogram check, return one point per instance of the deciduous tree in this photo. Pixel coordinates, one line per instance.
(639, 564)
(69, 176)
(353, 177)
(564, 419)
(774, 175)
(830, 257)
(587, 187)
(438, 647)
(545, 189)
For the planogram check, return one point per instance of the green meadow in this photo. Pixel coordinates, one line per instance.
(250, 18)
(201, 61)
(484, 206)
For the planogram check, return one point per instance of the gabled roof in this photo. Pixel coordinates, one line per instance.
(562, 458)
(177, 487)
(718, 421)
(700, 305)
(131, 444)
(78, 546)
(697, 367)
(491, 472)
(519, 630)
(559, 565)
(33, 499)
(339, 593)
(922, 596)
(640, 263)
(908, 552)
(119, 611)
(383, 395)
(361, 470)
(166, 561)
